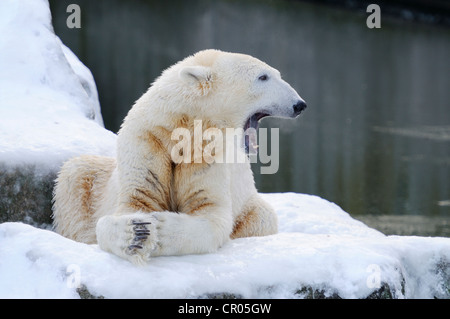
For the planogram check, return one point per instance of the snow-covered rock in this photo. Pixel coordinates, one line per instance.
(49, 110)
(320, 251)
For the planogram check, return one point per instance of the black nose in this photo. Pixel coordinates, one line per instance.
(299, 107)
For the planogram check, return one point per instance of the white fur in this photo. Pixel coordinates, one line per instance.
(219, 87)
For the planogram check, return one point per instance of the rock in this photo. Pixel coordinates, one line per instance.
(25, 195)
(328, 261)
(84, 293)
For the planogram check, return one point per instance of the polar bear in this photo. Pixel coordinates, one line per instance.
(143, 204)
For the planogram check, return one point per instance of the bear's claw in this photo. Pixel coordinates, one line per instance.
(140, 236)
(140, 223)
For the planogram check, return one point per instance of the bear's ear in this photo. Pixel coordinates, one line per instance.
(200, 77)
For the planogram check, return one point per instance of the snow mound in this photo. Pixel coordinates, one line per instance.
(49, 109)
(320, 250)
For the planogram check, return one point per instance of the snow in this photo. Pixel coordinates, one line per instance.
(318, 246)
(49, 111)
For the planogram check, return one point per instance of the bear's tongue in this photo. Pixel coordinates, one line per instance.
(250, 137)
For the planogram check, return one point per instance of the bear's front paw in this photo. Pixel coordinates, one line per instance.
(141, 238)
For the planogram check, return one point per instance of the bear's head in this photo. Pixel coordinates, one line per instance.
(237, 90)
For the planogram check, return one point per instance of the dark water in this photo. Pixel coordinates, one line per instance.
(375, 138)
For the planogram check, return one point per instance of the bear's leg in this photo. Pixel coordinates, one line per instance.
(79, 186)
(258, 218)
(139, 236)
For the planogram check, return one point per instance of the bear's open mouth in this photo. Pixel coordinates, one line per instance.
(253, 120)
(250, 137)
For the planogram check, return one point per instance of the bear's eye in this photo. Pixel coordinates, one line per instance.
(263, 77)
